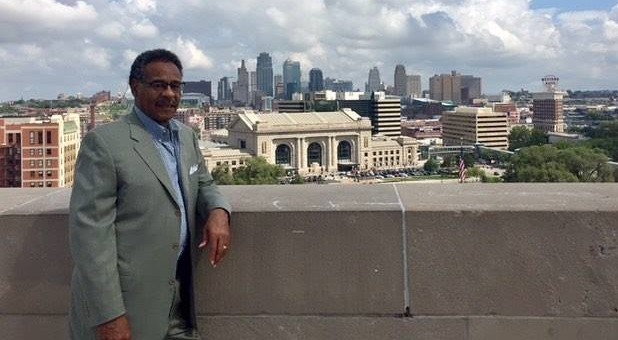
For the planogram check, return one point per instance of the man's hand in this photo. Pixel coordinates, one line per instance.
(117, 329)
(217, 234)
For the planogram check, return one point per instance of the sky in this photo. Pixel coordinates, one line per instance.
(48, 47)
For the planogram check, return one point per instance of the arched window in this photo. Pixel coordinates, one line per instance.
(344, 152)
(283, 155)
(314, 154)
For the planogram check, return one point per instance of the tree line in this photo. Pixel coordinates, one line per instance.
(255, 170)
(587, 161)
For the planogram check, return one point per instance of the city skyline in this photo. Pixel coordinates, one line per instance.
(49, 47)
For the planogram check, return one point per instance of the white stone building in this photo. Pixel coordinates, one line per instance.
(312, 142)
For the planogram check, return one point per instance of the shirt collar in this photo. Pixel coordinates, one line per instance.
(158, 131)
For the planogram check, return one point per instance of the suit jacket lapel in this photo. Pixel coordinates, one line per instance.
(185, 160)
(146, 149)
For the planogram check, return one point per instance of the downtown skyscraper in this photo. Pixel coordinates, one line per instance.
(291, 78)
(374, 83)
(548, 107)
(241, 92)
(316, 81)
(406, 85)
(454, 87)
(264, 74)
(401, 81)
(224, 91)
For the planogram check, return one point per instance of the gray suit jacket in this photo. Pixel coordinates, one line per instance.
(124, 227)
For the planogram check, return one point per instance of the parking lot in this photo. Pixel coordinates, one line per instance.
(365, 177)
(411, 175)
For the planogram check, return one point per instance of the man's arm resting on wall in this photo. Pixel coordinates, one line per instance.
(216, 210)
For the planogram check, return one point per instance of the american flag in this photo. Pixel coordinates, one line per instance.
(462, 170)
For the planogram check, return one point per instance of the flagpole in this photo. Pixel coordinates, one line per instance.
(462, 165)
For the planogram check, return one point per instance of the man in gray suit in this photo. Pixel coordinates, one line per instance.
(142, 208)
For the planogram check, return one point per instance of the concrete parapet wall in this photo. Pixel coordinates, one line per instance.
(407, 261)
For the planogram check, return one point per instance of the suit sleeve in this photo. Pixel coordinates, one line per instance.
(209, 197)
(92, 213)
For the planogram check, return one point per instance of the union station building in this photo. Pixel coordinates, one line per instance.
(310, 142)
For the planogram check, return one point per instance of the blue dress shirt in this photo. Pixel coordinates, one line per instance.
(166, 140)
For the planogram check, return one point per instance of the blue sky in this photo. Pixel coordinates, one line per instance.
(48, 47)
(574, 5)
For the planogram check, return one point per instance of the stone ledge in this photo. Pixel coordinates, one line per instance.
(351, 328)
(414, 196)
(483, 262)
(420, 328)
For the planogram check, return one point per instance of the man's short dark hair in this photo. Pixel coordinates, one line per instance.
(145, 58)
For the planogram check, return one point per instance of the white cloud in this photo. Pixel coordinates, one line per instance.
(97, 57)
(504, 41)
(111, 30)
(22, 56)
(191, 56)
(144, 30)
(141, 6)
(277, 16)
(128, 56)
(20, 18)
(611, 30)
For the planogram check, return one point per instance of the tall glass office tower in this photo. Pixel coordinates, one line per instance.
(264, 74)
(291, 78)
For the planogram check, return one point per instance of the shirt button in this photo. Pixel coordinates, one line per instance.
(177, 212)
(175, 246)
(172, 282)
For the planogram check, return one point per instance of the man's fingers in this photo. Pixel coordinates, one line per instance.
(212, 252)
(204, 241)
(221, 248)
(217, 228)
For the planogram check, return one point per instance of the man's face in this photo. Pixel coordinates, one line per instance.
(158, 94)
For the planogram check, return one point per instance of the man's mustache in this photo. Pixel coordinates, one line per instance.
(167, 103)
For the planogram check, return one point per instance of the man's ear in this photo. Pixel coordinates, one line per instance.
(133, 84)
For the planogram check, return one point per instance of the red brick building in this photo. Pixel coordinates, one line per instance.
(39, 152)
(512, 115)
(10, 161)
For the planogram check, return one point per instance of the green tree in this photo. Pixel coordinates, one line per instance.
(469, 160)
(521, 137)
(222, 174)
(448, 161)
(599, 116)
(609, 145)
(431, 165)
(538, 137)
(549, 164)
(476, 172)
(258, 171)
(604, 130)
(297, 179)
(8, 109)
(604, 137)
(589, 165)
(491, 179)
